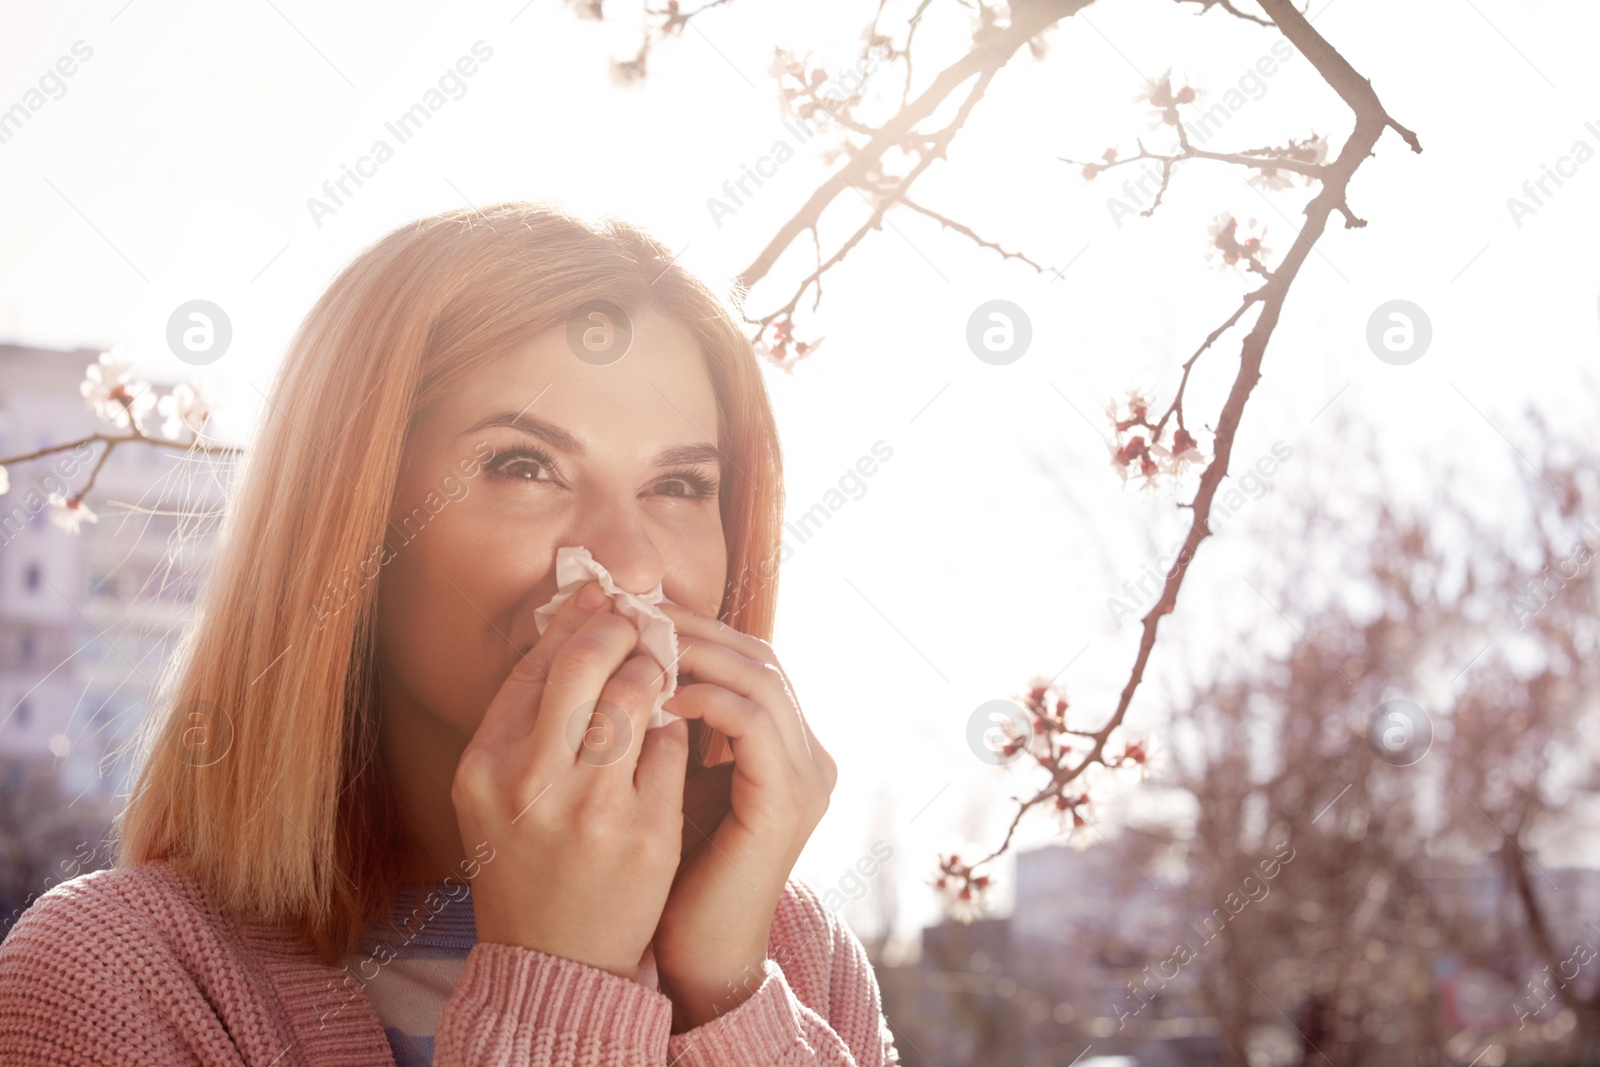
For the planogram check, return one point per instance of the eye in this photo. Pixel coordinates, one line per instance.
(522, 465)
(696, 485)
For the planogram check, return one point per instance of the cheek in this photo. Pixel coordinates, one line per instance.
(448, 611)
(697, 570)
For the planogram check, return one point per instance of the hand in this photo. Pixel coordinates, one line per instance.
(714, 928)
(586, 837)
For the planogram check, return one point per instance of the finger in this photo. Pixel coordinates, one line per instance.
(770, 689)
(694, 624)
(510, 715)
(758, 749)
(578, 674)
(663, 766)
(759, 682)
(690, 622)
(568, 618)
(624, 709)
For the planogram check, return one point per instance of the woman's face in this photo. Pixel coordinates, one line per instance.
(536, 451)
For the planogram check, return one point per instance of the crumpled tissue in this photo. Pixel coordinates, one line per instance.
(658, 637)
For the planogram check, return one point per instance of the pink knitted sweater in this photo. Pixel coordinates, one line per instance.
(135, 966)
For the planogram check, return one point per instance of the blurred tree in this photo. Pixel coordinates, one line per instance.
(1428, 714)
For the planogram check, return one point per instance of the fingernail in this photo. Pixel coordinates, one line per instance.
(591, 596)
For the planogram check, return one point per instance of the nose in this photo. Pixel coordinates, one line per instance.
(619, 540)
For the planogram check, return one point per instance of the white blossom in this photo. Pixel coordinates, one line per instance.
(107, 390)
(1175, 464)
(70, 515)
(1083, 836)
(188, 405)
(1152, 758)
(1272, 179)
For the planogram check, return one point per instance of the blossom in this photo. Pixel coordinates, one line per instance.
(881, 41)
(5, 482)
(1079, 801)
(962, 888)
(1038, 685)
(626, 73)
(1134, 455)
(187, 406)
(1226, 249)
(1138, 404)
(70, 514)
(1313, 150)
(107, 390)
(1185, 452)
(1090, 170)
(1075, 811)
(676, 19)
(1164, 99)
(776, 351)
(1140, 759)
(1144, 453)
(784, 64)
(1271, 178)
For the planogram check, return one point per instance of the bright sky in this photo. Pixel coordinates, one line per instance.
(177, 162)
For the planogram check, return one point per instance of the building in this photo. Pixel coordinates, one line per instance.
(88, 620)
(1043, 985)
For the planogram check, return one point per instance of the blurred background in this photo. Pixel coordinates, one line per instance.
(1366, 830)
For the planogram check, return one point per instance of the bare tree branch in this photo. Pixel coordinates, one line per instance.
(967, 231)
(1227, 5)
(111, 442)
(989, 53)
(1371, 121)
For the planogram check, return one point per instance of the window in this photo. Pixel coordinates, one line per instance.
(31, 577)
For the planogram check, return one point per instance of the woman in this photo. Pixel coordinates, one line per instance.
(384, 817)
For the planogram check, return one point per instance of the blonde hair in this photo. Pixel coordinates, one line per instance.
(287, 816)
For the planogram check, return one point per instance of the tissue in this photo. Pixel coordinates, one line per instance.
(658, 638)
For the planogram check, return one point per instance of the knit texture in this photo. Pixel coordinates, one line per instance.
(136, 966)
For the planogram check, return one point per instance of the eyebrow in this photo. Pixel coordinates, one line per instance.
(550, 433)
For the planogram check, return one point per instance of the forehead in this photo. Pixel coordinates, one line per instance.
(659, 390)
